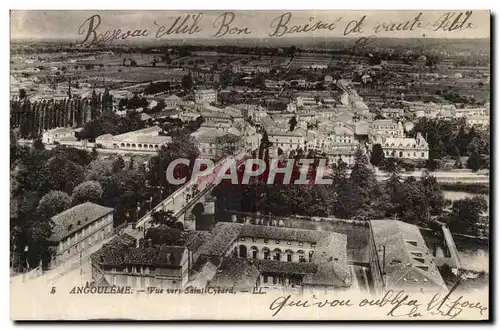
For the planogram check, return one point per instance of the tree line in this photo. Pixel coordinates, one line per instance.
(32, 118)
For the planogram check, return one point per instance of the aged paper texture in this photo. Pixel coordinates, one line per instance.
(250, 165)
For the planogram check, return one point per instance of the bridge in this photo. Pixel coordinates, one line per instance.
(183, 199)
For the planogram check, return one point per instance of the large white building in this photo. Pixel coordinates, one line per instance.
(205, 96)
(146, 140)
(402, 147)
(477, 120)
(59, 135)
(287, 141)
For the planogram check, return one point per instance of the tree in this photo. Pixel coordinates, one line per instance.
(433, 193)
(475, 162)
(357, 195)
(339, 175)
(465, 214)
(187, 82)
(165, 218)
(88, 191)
(462, 141)
(377, 157)
(414, 204)
(394, 190)
(62, 174)
(118, 164)
(38, 144)
(293, 123)
(54, 202)
(22, 93)
(182, 146)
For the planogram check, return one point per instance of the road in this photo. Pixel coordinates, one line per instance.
(74, 271)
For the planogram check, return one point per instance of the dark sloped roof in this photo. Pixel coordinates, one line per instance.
(122, 251)
(196, 239)
(75, 218)
(283, 234)
(223, 235)
(274, 266)
(236, 272)
(155, 256)
(408, 260)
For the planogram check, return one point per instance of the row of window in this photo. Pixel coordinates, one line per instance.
(401, 145)
(87, 242)
(401, 154)
(84, 231)
(140, 145)
(266, 240)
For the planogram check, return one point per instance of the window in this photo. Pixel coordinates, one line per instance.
(423, 154)
(288, 243)
(267, 254)
(265, 278)
(277, 254)
(266, 241)
(242, 239)
(301, 243)
(414, 243)
(254, 239)
(255, 252)
(313, 245)
(277, 242)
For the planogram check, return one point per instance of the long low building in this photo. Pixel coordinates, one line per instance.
(147, 139)
(274, 257)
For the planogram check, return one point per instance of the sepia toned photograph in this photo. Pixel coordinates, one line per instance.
(250, 165)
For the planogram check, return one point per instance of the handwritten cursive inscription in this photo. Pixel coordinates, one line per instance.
(188, 24)
(396, 304)
(92, 37)
(286, 301)
(454, 21)
(452, 307)
(409, 25)
(280, 26)
(224, 26)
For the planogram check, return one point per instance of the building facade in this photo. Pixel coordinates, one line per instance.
(404, 148)
(80, 227)
(280, 258)
(146, 140)
(205, 96)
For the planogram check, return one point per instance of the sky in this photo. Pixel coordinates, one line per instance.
(53, 24)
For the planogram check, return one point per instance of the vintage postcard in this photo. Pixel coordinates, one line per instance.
(250, 165)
